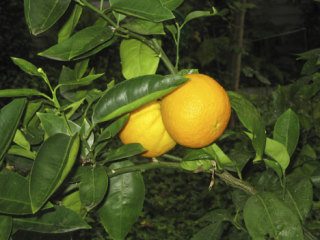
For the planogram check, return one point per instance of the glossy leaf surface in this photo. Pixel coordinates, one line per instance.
(81, 42)
(54, 160)
(93, 186)
(10, 116)
(129, 95)
(123, 203)
(41, 15)
(5, 227)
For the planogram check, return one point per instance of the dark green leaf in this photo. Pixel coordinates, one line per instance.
(97, 49)
(113, 129)
(54, 160)
(60, 220)
(123, 204)
(5, 226)
(171, 4)
(146, 9)
(144, 27)
(251, 119)
(287, 129)
(80, 43)
(67, 29)
(266, 215)
(14, 195)
(26, 66)
(53, 124)
(31, 109)
(82, 81)
(125, 151)
(41, 15)
(93, 186)
(20, 92)
(137, 59)
(10, 116)
(210, 232)
(299, 195)
(129, 95)
(198, 14)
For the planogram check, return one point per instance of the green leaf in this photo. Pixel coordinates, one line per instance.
(19, 151)
(72, 202)
(264, 214)
(198, 14)
(10, 116)
(144, 27)
(251, 120)
(60, 220)
(26, 66)
(218, 155)
(196, 165)
(82, 81)
(212, 231)
(5, 226)
(20, 139)
(123, 203)
(53, 124)
(41, 15)
(14, 196)
(20, 92)
(54, 160)
(287, 129)
(93, 186)
(80, 43)
(113, 129)
(171, 4)
(277, 152)
(69, 26)
(30, 113)
(125, 151)
(152, 10)
(298, 195)
(137, 59)
(129, 95)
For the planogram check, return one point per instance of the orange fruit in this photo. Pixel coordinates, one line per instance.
(145, 126)
(196, 113)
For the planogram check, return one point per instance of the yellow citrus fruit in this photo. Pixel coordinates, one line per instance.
(196, 113)
(145, 126)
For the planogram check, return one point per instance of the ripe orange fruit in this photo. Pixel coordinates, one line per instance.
(145, 126)
(196, 113)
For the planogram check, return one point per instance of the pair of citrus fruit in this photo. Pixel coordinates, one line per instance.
(193, 115)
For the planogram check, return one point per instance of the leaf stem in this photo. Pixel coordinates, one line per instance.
(153, 44)
(236, 182)
(143, 167)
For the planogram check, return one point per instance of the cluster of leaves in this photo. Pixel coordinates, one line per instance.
(61, 170)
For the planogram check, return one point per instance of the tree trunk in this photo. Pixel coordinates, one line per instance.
(237, 44)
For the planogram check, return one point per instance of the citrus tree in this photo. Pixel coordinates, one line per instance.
(63, 168)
